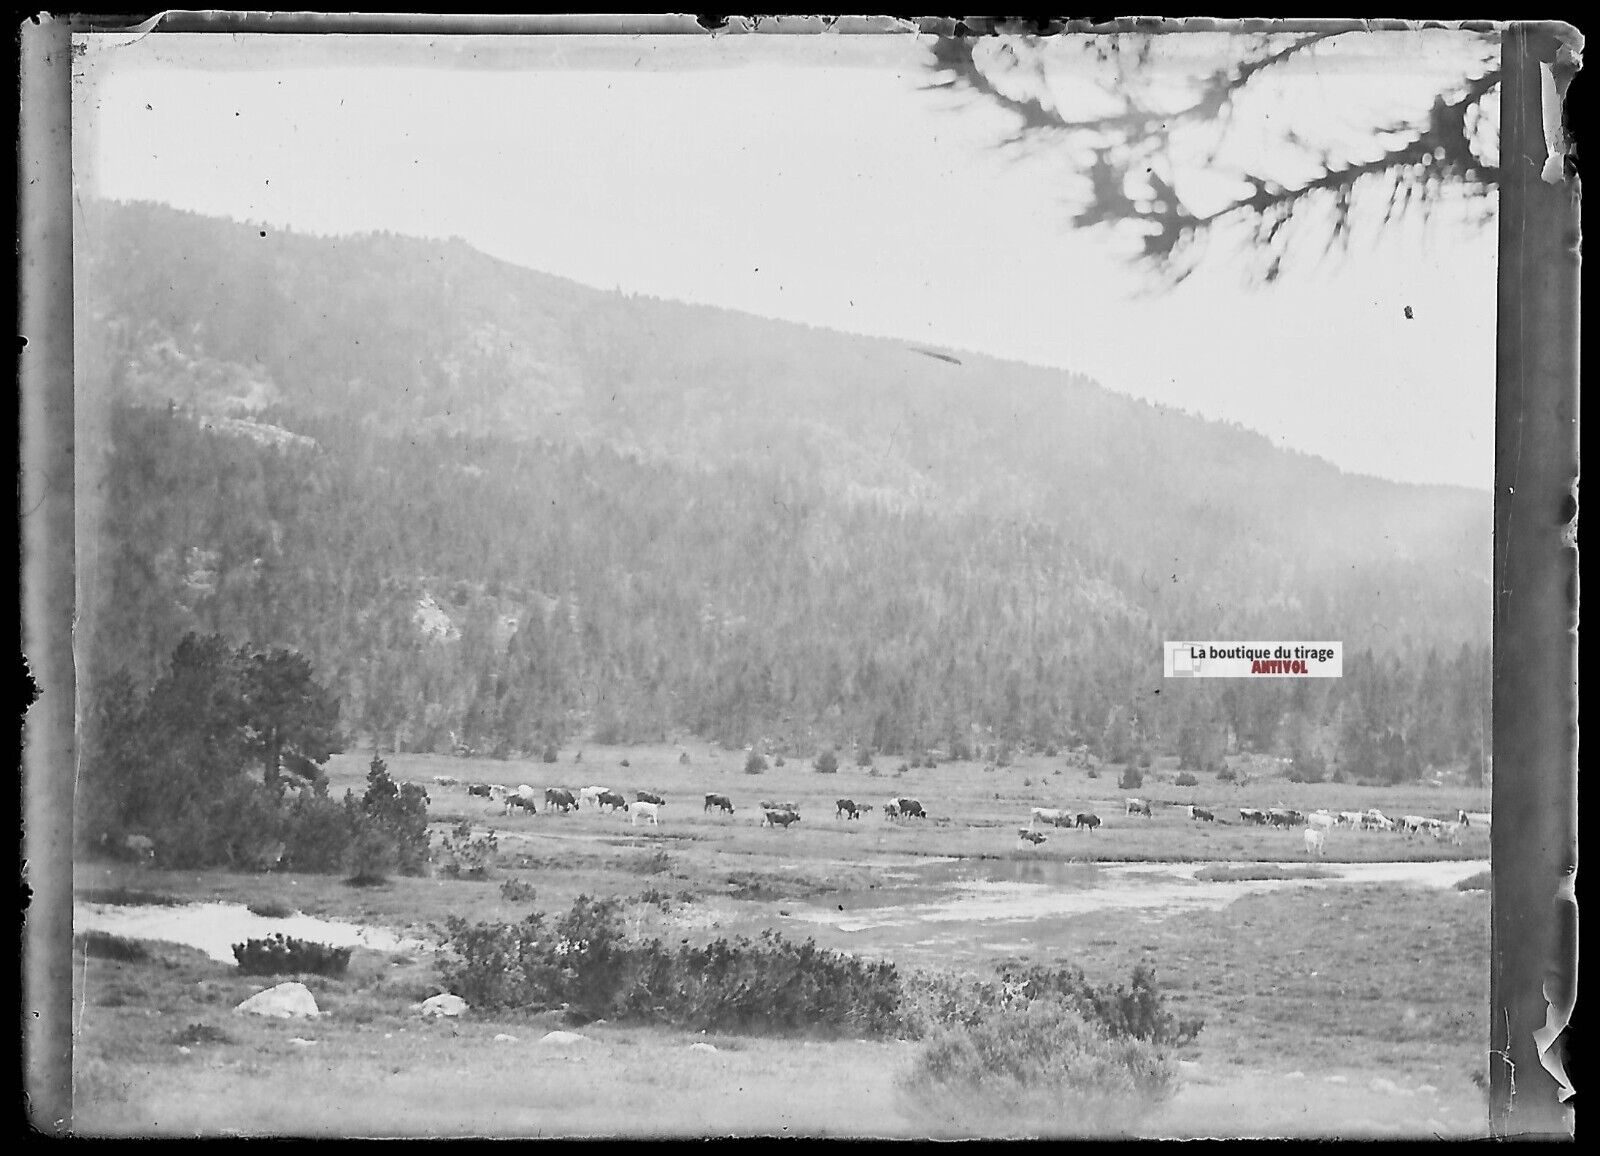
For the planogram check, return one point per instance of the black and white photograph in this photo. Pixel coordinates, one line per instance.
(812, 577)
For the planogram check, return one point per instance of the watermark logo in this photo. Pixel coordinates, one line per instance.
(1253, 659)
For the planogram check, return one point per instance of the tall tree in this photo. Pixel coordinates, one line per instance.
(290, 719)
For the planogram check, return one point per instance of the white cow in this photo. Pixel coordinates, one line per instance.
(498, 792)
(1049, 816)
(1450, 831)
(1322, 820)
(650, 811)
(591, 795)
(527, 792)
(1350, 818)
(1315, 838)
(1137, 807)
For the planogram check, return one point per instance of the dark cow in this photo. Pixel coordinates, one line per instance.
(648, 797)
(560, 798)
(610, 799)
(721, 802)
(1198, 813)
(911, 808)
(1285, 817)
(479, 790)
(850, 809)
(780, 819)
(1253, 815)
(1090, 821)
(518, 802)
(1029, 835)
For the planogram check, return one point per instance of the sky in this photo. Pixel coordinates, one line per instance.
(816, 179)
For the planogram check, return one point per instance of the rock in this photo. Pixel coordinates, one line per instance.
(1428, 1089)
(1338, 1079)
(183, 1051)
(562, 1039)
(444, 1004)
(503, 1038)
(286, 1001)
(298, 1042)
(1294, 1075)
(702, 1048)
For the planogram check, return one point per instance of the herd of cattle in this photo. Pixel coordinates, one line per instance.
(1316, 825)
(647, 806)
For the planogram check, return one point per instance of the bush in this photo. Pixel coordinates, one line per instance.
(316, 834)
(1131, 778)
(754, 763)
(516, 891)
(281, 955)
(372, 853)
(1185, 779)
(1227, 775)
(550, 754)
(104, 945)
(586, 963)
(270, 909)
(827, 763)
(1039, 1068)
(402, 811)
(1093, 774)
(864, 757)
(1144, 760)
(463, 857)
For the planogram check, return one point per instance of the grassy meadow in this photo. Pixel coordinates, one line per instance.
(1350, 1009)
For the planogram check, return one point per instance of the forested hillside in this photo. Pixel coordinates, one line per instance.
(492, 503)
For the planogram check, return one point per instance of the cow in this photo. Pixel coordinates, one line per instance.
(1088, 819)
(1137, 807)
(721, 802)
(1411, 824)
(1322, 820)
(478, 790)
(1462, 819)
(1029, 835)
(648, 797)
(591, 794)
(613, 800)
(1451, 831)
(779, 819)
(847, 808)
(891, 809)
(1253, 815)
(651, 811)
(1051, 815)
(560, 798)
(1315, 837)
(1198, 813)
(1377, 819)
(520, 802)
(142, 848)
(498, 792)
(1350, 818)
(1285, 817)
(911, 809)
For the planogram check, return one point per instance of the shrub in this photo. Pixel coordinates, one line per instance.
(1144, 760)
(371, 854)
(1039, 1068)
(827, 763)
(778, 761)
(200, 1034)
(656, 861)
(1185, 779)
(1227, 775)
(961, 751)
(270, 909)
(864, 757)
(1131, 778)
(516, 891)
(550, 754)
(104, 945)
(279, 955)
(754, 763)
(586, 962)
(316, 834)
(463, 857)
(1093, 774)
(402, 811)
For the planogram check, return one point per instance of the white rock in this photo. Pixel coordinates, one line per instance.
(442, 1005)
(286, 1001)
(1338, 1079)
(1427, 1088)
(302, 1043)
(183, 1051)
(1294, 1076)
(503, 1038)
(701, 1048)
(562, 1039)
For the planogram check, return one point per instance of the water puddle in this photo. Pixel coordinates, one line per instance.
(215, 927)
(1009, 891)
